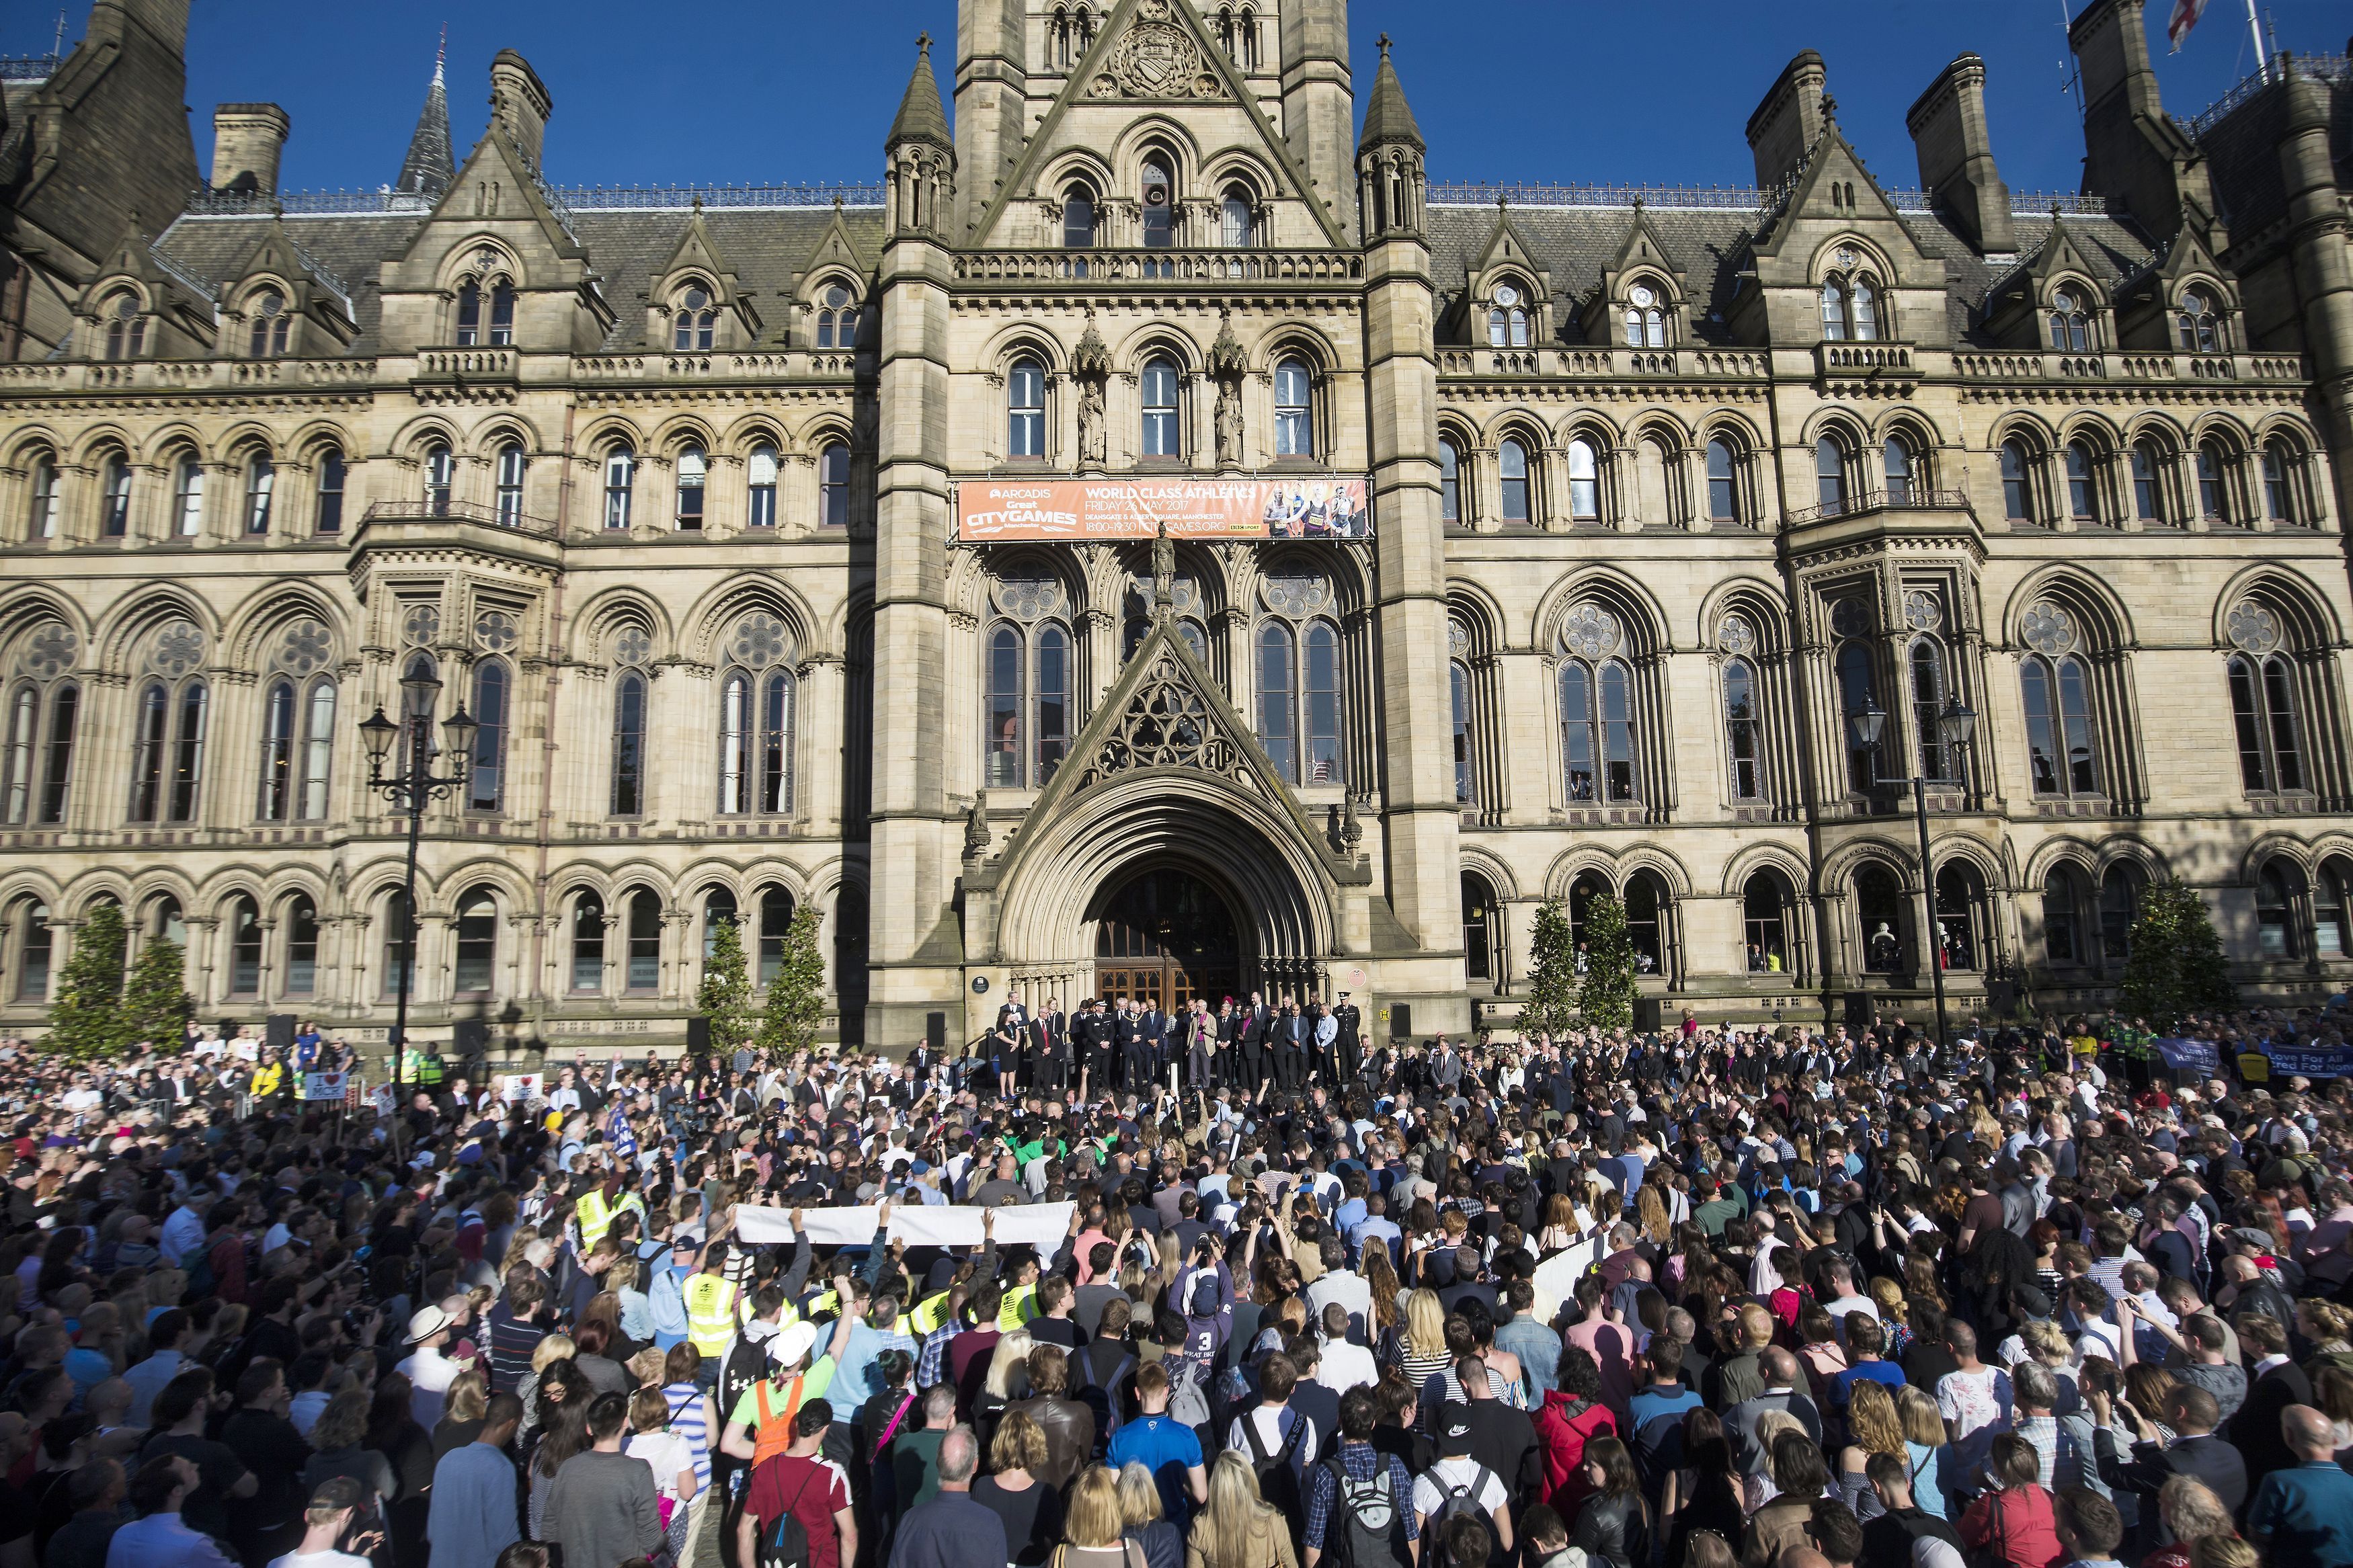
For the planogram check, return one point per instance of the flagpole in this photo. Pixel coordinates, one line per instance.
(2255, 31)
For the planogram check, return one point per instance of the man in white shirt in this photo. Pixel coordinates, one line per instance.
(159, 1538)
(1345, 1365)
(1455, 1471)
(429, 1372)
(323, 1523)
(183, 1230)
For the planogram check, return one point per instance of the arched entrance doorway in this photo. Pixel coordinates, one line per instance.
(1166, 936)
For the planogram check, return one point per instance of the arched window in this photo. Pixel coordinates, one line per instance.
(399, 939)
(1466, 782)
(187, 750)
(1078, 219)
(642, 968)
(833, 484)
(469, 314)
(587, 944)
(620, 486)
(1723, 482)
(318, 751)
(502, 301)
(260, 485)
(1001, 724)
(126, 329)
(1294, 422)
(692, 471)
(511, 464)
(779, 703)
(486, 780)
(268, 339)
(2332, 910)
(1512, 470)
(628, 784)
(1235, 218)
(1646, 906)
(36, 947)
(1159, 204)
(695, 322)
(2213, 481)
(1507, 319)
(1056, 713)
(2082, 489)
(478, 942)
(718, 910)
(2150, 460)
(1830, 475)
(329, 518)
(24, 725)
(775, 926)
(837, 317)
(1743, 731)
(114, 518)
(757, 723)
(2262, 712)
(1277, 697)
(2063, 917)
(1833, 312)
(301, 926)
(1960, 901)
(2059, 751)
(1449, 481)
(1646, 322)
(1862, 307)
(167, 753)
(760, 477)
(1896, 459)
(1879, 914)
(57, 762)
(2282, 474)
(2195, 325)
(1025, 409)
(2119, 907)
(1925, 664)
(1764, 919)
(149, 743)
(1159, 389)
(245, 948)
(2017, 486)
(1597, 725)
(1479, 917)
(187, 501)
(1320, 704)
(47, 495)
(2070, 329)
(440, 471)
(1583, 482)
(279, 718)
(2276, 889)
(38, 761)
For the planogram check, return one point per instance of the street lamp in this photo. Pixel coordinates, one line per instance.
(1954, 727)
(410, 787)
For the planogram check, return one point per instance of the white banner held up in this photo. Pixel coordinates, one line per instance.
(917, 1225)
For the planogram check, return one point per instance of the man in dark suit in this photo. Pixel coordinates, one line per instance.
(1152, 1047)
(2278, 1382)
(1291, 1044)
(1048, 1049)
(1258, 1030)
(2194, 1451)
(1127, 1035)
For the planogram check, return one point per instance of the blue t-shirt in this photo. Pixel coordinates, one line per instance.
(1842, 1383)
(2304, 1517)
(1168, 1447)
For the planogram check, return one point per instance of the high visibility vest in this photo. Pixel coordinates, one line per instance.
(595, 1216)
(1020, 1305)
(710, 1314)
(429, 1070)
(773, 1434)
(265, 1080)
(929, 1314)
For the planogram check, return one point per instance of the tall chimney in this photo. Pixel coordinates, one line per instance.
(246, 140)
(519, 105)
(1785, 125)
(1948, 129)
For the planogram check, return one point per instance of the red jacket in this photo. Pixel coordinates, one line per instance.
(2023, 1530)
(1564, 1430)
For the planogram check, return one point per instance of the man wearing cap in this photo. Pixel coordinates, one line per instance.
(429, 1372)
(1455, 1471)
(761, 1426)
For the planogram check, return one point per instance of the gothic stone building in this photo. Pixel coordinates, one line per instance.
(1703, 523)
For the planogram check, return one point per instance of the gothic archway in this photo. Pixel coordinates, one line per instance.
(1167, 935)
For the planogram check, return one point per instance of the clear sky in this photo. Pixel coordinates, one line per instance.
(734, 91)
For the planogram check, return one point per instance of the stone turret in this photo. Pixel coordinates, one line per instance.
(430, 166)
(1390, 180)
(920, 153)
(1948, 129)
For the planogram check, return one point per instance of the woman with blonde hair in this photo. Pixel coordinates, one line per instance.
(1144, 1522)
(1031, 1511)
(1421, 1349)
(1238, 1529)
(671, 1458)
(462, 1409)
(1895, 1315)
(1875, 1428)
(2190, 1511)
(1094, 1526)
(1007, 1380)
(1924, 1434)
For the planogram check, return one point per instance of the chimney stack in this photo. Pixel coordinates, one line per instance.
(1948, 129)
(248, 139)
(519, 105)
(1785, 125)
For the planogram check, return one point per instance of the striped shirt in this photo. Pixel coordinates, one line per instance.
(686, 1420)
(514, 1341)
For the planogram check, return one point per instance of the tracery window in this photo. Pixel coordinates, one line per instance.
(1028, 715)
(1466, 780)
(620, 486)
(1923, 663)
(2070, 328)
(486, 780)
(2284, 481)
(502, 303)
(2195, 327)
(2264, 704)
(469, 314)
(1850, 303)
(169, 717)
(1744, 729)
(627, 793)
(2056, 687)
(759, 702)
(297, 736)
(1298, 679)
(270, 324)
(126, 329)
(44, 706)
(837, 317)
(1646, 319)
(1507, 318)
(1158, 384)
(1025, 409)
(695, 322)
(1597, 710)
(2214, 463)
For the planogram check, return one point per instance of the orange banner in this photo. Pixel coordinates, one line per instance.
(1011, 511)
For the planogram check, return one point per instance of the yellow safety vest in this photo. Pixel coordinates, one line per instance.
(265, 1080)
(824, 1301)
(1020, 1306)
(596, 1217)
(929, 1313)
(710, 1314)
(429, 1070)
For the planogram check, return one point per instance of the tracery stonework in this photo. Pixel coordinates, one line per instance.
(1675, 500)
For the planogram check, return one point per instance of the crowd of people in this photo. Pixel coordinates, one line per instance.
(1706, 1298)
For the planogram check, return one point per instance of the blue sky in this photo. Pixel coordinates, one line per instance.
(732, 92)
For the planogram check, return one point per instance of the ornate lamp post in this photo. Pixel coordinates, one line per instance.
(1955, 726)
(410, 786)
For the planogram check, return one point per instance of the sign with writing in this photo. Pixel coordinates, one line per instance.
(518, 1088)
(1079, 511)
(2189, 1055)
(2290, 1061)
(324, 1085)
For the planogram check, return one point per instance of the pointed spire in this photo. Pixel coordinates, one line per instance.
(1387, 117)
(429, 167)
(922, 116)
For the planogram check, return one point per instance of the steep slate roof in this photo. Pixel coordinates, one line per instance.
(922, 117)
(765, 247)
(430, 164)
(1577, 245)
(2242, 146)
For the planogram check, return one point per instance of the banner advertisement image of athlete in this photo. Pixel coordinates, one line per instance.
(1033, 510)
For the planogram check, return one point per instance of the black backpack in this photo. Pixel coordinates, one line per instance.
(1103, 1396)
(1365, 1526)
(1278, 1479)
(787, 1545)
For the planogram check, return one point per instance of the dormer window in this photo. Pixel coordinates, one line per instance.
(269, 325)
(1159, 206)
(470, 302)
(126, 329)
(1646, 321)
(2200, 332)
(837, 319)
(1078, 217)
(1849, 304)
(2070, 328)
(692, 327)
(1507, 319)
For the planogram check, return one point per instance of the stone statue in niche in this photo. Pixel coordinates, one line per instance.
(1229, 425)
(1092, 437)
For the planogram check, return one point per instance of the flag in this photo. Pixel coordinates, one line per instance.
(2185, 17)
(619, 1134)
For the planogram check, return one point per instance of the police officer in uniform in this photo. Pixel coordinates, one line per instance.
(1352, 1044)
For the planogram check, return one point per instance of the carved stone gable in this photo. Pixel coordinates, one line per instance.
(1156, 57)
(1167, 724)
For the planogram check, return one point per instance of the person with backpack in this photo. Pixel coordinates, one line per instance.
(1164, 1446)
(796, 1505)
(1238, 1529)
(1278, 1441)
(1458, 1485)
(1359, 1511)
